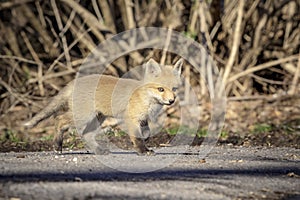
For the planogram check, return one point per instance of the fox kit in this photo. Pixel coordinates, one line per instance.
(134, 100)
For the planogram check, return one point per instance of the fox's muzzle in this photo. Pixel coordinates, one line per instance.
(171, 101)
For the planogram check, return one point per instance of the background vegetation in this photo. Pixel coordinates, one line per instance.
(255, 45)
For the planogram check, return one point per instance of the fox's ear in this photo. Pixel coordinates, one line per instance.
(152, 68)
(178, 67)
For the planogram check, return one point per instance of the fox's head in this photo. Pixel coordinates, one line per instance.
(160, 93)
(164, 80)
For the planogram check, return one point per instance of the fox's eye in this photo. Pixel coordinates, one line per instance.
(174, 89)
(161, 89)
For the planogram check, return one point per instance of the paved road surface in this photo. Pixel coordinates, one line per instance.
(226, 173)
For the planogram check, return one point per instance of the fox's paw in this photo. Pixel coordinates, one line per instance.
(57, 151)
(146, 152)
(58, 144)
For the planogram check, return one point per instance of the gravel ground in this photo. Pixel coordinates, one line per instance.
(227, 172)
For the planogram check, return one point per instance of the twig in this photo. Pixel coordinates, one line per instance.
(267, 80)
(71, 46)
(54, 75)
(107, 15)
(37, 59)
(236, 41)
(78, 29)
(47, 40)
(20, 97)
(261, 67)
(193, 17)
(229, 14)
(9, 4)
(61, 34)
(12, 40)
(268, 98)
(165, 50)
(15, 67)
(69, 21)
(187, 88)
(251, 10)
(14, 63)
(259, 28)
(130, 17)
(41, 14)
(97, 11)
(19, 59)
(90, 19)
(293, 87)
(204, 28)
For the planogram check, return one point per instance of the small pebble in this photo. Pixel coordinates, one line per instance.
(292, 174)
(78, 179)
(21, 156)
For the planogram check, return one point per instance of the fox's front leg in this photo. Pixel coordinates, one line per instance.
(145, 130)
(137, 138)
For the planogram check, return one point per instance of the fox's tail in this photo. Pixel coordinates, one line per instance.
(55, 105)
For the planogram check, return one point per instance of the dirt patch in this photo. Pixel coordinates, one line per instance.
(8, 146)
(267, 139)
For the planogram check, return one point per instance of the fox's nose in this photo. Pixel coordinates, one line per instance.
(171, 101)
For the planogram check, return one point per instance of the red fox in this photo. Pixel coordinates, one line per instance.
(133, 100)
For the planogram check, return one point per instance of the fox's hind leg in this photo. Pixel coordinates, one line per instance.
(94, 136)
(62, 125)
